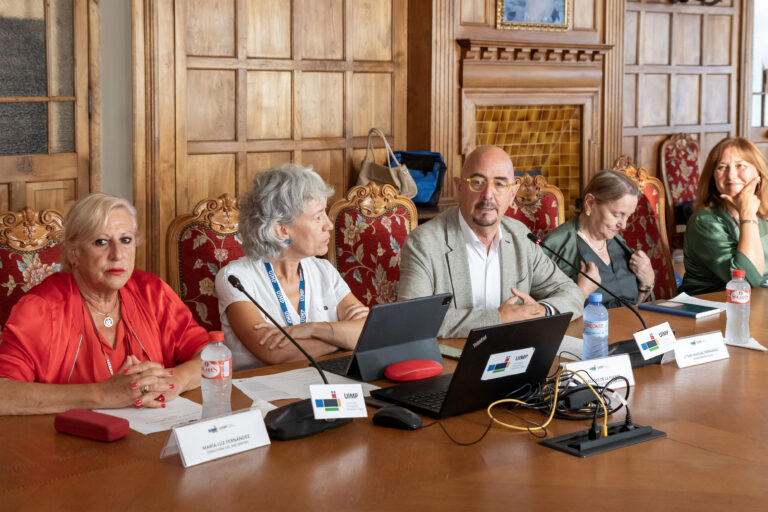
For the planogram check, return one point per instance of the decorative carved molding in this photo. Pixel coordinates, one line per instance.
(638, 175)
(373, 200)
(623, 162)
(530, 188)
(680, 140)
(218, 214)
(502, 51)
(28, 230)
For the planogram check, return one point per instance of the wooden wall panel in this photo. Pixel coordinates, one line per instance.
(687, 32)
(371, 30)
(322, 105)
(654, 98)
(209, 27)
(270, 104)
(320, 28)
(260, 162)
(476, 12)
(207, 176)
(584, 15)
(371, 97)
(304, 82)
(717, 98)
(685, 97)
(718, 37)
(656, 38)
(4, 197)
(58, 195)
(686, 76)
(210, 104)
(269, 29)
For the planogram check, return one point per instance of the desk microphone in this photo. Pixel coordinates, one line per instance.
(296, 420)
(535, 239)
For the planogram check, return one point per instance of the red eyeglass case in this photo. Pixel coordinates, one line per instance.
(413, 369)
(90, 424)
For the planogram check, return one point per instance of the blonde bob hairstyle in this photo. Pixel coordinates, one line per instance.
(87, 218)
(708, 196)
(608, 186)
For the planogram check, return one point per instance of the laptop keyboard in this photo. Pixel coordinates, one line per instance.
(431, 401)
(337, 365)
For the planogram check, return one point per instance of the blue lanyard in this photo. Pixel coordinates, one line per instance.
(281, 298)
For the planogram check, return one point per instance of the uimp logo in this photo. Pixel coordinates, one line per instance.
(329, 404)
(651, 344)
(499, 367)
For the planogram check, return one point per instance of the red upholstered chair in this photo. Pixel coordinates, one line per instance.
(198, 245)
(538, 205)
(29, 252)
(370, 227)
(646, 229)
(679, 164)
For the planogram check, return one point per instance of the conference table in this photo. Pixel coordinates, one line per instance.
(714, 457)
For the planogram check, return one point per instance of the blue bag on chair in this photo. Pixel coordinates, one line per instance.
(428, 170)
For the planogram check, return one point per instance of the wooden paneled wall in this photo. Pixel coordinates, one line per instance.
(681, 70)
(257, 83)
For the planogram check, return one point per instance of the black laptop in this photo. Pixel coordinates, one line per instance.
(496, 362)
(394, 332)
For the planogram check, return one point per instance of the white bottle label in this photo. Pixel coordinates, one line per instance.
(737, 296)
(217, 369)
(596, 328)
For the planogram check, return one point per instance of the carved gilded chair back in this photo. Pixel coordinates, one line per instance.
(537, 204)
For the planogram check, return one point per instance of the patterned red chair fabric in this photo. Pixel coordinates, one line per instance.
(646, 230)
(29, 252)
(198, 246)
(538, 205)
(679, 156)
(370, 227)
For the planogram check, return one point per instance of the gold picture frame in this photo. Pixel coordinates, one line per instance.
(552, 15)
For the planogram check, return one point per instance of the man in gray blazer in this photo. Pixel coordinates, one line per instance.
(496, 275)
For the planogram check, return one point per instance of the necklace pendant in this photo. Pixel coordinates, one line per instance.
(108, 322)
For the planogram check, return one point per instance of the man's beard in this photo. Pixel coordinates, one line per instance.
(480, 220)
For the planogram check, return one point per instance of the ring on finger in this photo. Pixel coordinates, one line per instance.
(145, 389)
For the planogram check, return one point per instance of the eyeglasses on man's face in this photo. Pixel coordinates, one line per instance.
(499, 186)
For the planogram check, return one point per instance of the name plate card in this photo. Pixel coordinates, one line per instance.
(601, 371)
(221, 436)
(700, 348)
(655, 340)
(337, 401)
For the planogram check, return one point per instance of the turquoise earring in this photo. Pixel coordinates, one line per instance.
(287, 241)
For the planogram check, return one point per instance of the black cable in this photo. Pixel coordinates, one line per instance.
(470, 443)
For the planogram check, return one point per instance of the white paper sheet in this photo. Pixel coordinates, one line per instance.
(290, 384)
(572, 346)
(148, 421)
(687, 299)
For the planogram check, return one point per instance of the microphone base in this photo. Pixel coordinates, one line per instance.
(297, 420)
(635, 357)
(582, 444)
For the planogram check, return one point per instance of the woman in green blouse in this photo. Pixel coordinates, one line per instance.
(728, 229)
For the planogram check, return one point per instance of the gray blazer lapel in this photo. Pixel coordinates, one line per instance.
(508, 258)
(458, 268)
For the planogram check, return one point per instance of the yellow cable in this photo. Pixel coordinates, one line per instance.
(603, 429)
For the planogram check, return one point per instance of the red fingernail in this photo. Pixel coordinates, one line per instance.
(170, 372)
(162, 405)
(133, 385)
(171, 386)
(138, 402)
(125, 371)
(160, 398)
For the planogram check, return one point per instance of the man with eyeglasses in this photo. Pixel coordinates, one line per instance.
(482, 257)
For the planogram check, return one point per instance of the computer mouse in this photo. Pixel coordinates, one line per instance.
(394, 416)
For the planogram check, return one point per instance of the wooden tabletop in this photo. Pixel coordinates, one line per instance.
(715, 455)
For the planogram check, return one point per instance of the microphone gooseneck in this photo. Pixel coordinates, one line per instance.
(234, 281)
(535, 239)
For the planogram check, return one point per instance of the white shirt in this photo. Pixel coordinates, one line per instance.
(324, 288)
(484, 268)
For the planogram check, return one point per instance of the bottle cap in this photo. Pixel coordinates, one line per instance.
(595, 298)
(737, 273)
(216, 335)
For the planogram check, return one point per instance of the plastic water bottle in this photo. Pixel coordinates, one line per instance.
(737, 293)
(216, 376)
(595, 328)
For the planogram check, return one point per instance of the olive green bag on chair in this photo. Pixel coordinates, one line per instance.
(398, 176)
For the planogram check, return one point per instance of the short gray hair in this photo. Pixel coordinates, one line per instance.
(278, 196)
(88, 217)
